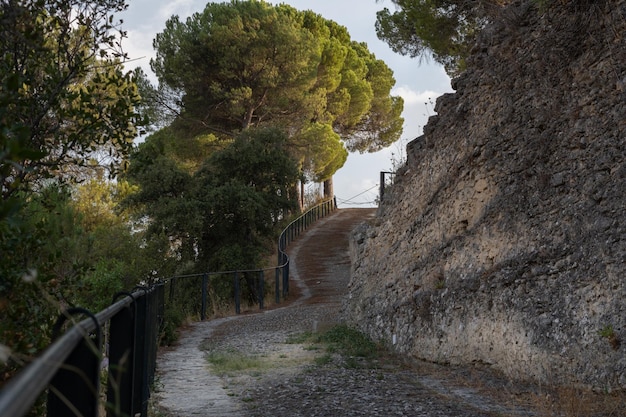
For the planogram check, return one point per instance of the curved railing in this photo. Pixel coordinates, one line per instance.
(259, 276)
(70, 368)
(294, 229)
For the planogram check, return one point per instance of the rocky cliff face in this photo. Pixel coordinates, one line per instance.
(503, 240)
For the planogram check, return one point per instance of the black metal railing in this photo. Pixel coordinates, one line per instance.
(294, 229)
(209, 280)
(255, 279)
(126, 335)
(70, 367)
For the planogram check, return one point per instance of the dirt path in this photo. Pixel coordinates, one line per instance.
(320, 268)
(320, 262)
(281, 378)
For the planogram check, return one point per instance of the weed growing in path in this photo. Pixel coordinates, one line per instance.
(232, 361)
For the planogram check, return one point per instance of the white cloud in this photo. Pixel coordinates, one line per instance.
(181, 8)
(411, 96)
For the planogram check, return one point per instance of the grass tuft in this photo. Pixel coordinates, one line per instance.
(233, 361)
(349, 342)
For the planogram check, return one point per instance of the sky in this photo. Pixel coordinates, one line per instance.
(419, 82)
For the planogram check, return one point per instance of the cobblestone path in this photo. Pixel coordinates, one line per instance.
(288, 379)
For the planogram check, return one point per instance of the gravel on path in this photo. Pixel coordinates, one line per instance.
(289, 379)
(187, 387)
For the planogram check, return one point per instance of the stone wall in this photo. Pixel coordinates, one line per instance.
(503, 240)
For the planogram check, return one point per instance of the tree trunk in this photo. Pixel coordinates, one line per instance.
(329, 191)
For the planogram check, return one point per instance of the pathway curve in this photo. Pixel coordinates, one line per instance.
(287, 382)
(186, 387)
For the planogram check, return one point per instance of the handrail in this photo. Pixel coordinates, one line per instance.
(21, 392)
(131, 348)
(294, 229)
(288, 234)
(18, 396)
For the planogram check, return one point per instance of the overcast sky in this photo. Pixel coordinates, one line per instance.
(418, 83)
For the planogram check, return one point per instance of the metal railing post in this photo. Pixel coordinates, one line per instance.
(71, 365)
(237, 294)
(261, 289)
(140, 377)
(161, 304)
(75, 388)
(153, 337)
(205, 284)
(286, 280)
(172, 288)
(277, 283)
(121, 348)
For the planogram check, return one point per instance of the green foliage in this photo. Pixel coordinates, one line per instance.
(609, 333)
(443, 29)
(349, 342)
(172, 320)
(232, 361)
(98, 285)
(39, 266)
(325, 152)
(248, 63)
(354, 347)
(446, 30)
(248, 185)
(98, 202)
(184, 299)
(222, 214)
(163, 189)
(299, 338)
(64, 101)
(53, 255)
(67, 111)
(154, 109)
(235, 54)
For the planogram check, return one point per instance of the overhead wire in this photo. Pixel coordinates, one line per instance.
(358, 195)
(362, 203)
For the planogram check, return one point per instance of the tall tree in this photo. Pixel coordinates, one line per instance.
(220, 214)
(248, 63)
(443, 29)
(64, 101)
(245, 191)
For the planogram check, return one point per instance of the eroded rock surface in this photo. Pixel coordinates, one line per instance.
(503, 240)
